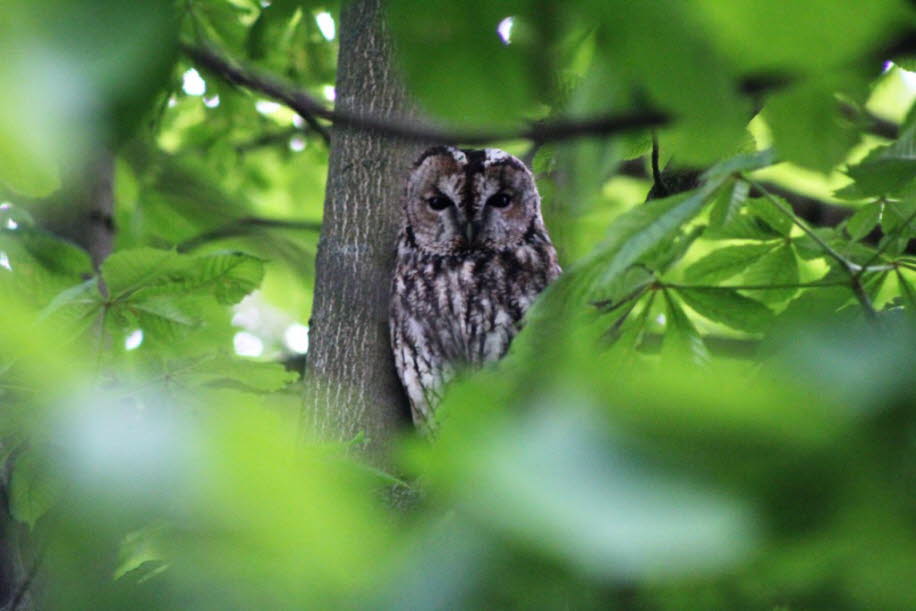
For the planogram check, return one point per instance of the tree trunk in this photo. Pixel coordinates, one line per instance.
(353, 388)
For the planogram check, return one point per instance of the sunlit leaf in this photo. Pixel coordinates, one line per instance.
(888, 169)
(863, 221)
(728, 307)
(771, 214)
(795, 37)
(806, 123)
(777, 267)
(681, 336)
(726, 262)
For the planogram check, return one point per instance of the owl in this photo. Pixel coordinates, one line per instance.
(472, 256)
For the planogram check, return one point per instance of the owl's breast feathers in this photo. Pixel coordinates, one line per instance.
(451, 311)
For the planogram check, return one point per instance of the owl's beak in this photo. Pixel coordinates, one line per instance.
(471, 229)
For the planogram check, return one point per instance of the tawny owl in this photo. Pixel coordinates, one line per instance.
(473, 254)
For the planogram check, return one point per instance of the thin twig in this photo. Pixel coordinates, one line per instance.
(656, 170)
(243, 226)
(310, 108)
(531, 153)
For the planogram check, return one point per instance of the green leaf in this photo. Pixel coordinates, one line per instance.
(863, 221)
(728, 205)
(56, 255)
(128, 270)
(680, 334)
(770, 213)
(728, 307)
(256, 376)
(86, 293)
(908, 293)
(231, 276)
(23, 171)
(627, 285)
(555, 481)
(164, 318)
(745, 162)
(808, 249)
(806, 123)
(680, 72)
(887, 170)
(442, 37)
(633, 235)
(226, 276)
(32, 489)
(140, 547)
(269, 25)
(777, 267)
(73, 310)
(809, 36)
(898, 217)
(898, 222)
(664, 256)
(723, 263)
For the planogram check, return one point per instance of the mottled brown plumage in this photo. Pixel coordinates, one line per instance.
(473, 254)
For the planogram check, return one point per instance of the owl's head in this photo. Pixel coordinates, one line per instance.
(470, 200)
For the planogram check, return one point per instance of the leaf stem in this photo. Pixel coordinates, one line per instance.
(757, 287)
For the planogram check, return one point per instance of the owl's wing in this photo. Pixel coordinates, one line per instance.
(418, 360)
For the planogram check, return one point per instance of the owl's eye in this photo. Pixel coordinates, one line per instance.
(439, 202)
(500, 200)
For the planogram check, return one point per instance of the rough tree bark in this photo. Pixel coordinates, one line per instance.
(352, 384)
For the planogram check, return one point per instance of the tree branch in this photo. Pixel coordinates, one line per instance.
(310, 108)
(556, 130)
(307, 107)
(243, 226)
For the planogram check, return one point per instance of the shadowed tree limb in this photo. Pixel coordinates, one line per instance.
(307, 106)
(244, 226)
(555, 130)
